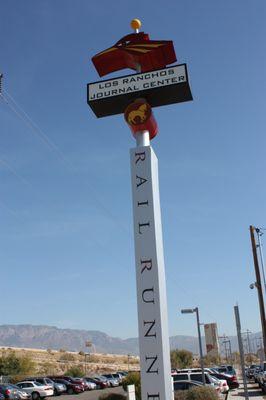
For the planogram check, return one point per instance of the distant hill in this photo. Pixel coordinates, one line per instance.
(44, 337)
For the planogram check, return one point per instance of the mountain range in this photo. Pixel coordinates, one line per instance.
(44, 337)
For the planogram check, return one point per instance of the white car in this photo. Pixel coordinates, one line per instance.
(36, 389)
(92, 385)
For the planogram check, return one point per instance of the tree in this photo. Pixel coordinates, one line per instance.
(210, 360)
(181, 358)
(10, 364)
(27, 365)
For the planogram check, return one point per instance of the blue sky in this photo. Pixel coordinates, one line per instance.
(66, 235)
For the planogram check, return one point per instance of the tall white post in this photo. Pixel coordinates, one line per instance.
(150, 274)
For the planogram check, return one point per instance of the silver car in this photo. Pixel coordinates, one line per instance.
(36, 389)
(112, 381)
(21, 394)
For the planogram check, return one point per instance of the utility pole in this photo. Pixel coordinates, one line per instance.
(241, 352)
(1, 77)
(248, 332)
(259, 246)
(230, 350)
(259, 288)
(227, 350)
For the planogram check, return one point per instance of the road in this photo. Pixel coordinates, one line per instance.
(91, 394)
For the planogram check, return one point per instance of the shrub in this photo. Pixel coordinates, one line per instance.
(197, 393)
(133, 378)
(181, 395)
(76, 372)
(112, 396)
(67, 357)
(46, 368)
(181, 358)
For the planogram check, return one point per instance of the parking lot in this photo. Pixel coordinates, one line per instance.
(254, 392)
(92, 394)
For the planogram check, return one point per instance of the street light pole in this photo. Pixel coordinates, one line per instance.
(190, 311)
(241, 350)
(200, 347)
(85, 364)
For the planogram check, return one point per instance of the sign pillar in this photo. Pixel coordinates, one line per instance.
(150, 275)
(154, 84)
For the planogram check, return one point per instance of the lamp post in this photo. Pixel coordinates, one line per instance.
(191, 311)
(85, 356)
(88, 343)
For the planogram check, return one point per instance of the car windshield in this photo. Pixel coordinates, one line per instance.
(102, 378)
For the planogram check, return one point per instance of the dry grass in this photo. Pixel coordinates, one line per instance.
(52, 362)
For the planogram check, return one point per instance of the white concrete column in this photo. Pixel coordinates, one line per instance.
(150, 274)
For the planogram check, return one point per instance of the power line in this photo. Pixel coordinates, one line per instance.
(14, 172)
(19, 112)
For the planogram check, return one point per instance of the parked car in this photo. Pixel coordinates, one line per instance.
(75, 381)
(197, 376)
(119, 377)
(251, 370)
(261, 377)
(91, 385)
(231, 380)
(21, 394)
(220, 381)
(99, 384)
(185, 385)
(257, 371)
(9, 392)
(59, 388)
(113, 382)
(82, 382)
(71, 388)
(227, 369)
(224, 388)
(101, 378)
(36, 389)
